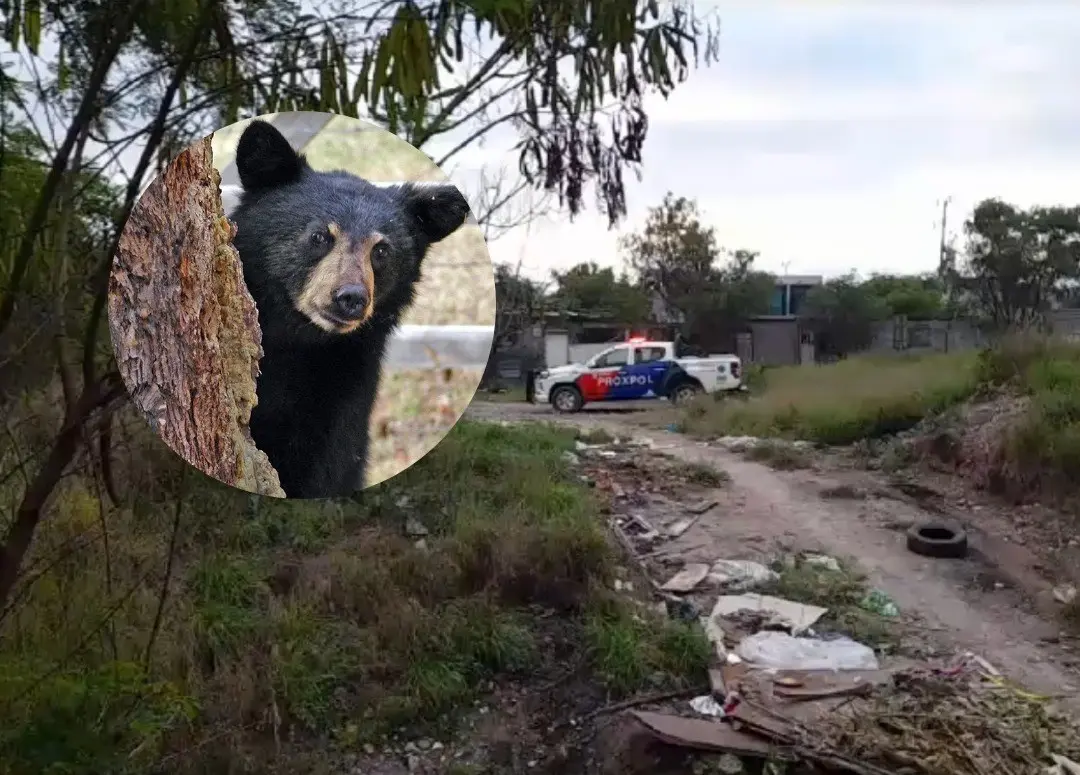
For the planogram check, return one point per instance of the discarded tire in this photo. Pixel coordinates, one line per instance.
(936, 539)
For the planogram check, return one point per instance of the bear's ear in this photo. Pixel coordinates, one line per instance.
(437, 208)
(265, 159)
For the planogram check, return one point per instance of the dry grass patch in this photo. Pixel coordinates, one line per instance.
(861, 397)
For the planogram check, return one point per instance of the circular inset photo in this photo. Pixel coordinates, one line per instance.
(302, 305)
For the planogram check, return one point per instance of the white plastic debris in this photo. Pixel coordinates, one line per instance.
(706, 705)
(1065, 594)
(798, 616)
(1062, 766)
(737, 443)
(780, 651)
(739, 575)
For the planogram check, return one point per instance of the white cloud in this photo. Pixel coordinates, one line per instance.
(826, 137)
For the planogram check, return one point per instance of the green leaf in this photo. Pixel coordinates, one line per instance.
(14, 28)
(32, 29)
(63, 72)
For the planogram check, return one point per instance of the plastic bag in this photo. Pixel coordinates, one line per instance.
(780, 651)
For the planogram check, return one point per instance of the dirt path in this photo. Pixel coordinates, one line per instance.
(762, 507)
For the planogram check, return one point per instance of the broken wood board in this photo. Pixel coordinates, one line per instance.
(704, 735)
(821, 684)
(687, 579)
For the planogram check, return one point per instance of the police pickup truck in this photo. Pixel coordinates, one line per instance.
(636, 370)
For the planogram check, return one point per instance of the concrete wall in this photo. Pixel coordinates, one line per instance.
(774, 342)
(926, 336)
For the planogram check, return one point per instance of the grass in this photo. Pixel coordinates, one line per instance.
(861, 397)
(842, 592)
(511, 396)
(779, 455)
(317, 622)
(704, 475)
(1040, 451)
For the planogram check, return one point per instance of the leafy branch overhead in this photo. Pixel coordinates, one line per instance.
(567, 77)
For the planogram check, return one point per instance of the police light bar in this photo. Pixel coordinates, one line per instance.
(636, 339)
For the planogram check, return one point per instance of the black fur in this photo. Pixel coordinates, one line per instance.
(316, 388)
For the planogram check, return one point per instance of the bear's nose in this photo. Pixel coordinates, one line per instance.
(350, 301)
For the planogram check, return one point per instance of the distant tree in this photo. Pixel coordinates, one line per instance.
(842, 314)
(521, 303)
(919, 297)
(1015, 263)
(590, 288)
(678, 259)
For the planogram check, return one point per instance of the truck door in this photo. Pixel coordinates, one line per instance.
(650, 361)
(602, 381)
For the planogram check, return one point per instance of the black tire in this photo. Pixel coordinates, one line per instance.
(567, 399)
(685, 391)
(938, 540)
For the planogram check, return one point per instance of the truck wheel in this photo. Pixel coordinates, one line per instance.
(687, 391)
(567, 399)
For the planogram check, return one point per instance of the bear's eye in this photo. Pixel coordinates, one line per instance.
(380, 251)
(320, 238)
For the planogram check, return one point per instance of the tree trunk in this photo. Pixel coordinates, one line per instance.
(184, 327)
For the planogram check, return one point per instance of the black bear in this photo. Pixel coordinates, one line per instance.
(332, 262)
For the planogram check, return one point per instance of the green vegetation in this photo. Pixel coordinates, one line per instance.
(704, 475)
(1040, 450)
(842, 592)
(319, 619)
(779, 455)
(857, 398)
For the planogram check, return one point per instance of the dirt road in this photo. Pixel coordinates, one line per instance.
(961, 604)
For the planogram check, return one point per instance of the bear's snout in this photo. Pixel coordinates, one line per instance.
(350, 302)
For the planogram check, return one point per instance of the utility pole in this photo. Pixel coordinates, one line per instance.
(944, 223)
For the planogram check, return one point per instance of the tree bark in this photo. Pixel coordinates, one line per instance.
(184, 326)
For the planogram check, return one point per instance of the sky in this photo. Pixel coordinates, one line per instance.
(827, 135)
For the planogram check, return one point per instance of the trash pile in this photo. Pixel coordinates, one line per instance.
(786, 691)
(782, 693)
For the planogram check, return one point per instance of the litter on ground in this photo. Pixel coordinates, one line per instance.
(822, 561)
(797, 617)
(780, 651)
(740, 575)
(687, 579)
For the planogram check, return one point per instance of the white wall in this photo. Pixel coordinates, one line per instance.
(579, 353)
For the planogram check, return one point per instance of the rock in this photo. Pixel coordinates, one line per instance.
(1065, 594)
(414, 528)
